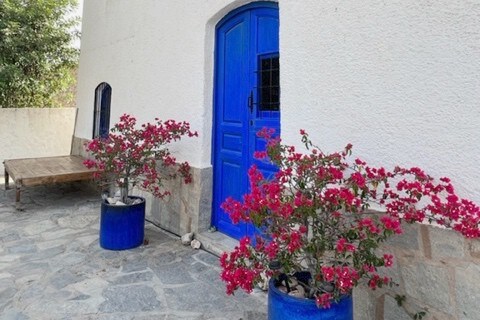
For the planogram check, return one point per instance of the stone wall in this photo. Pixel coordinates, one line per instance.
(35, 132)
(188, 208)
(437, 271)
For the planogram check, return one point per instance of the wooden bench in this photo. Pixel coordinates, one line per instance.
(38, 171)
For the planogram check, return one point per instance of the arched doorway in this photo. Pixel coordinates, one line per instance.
(246, 98)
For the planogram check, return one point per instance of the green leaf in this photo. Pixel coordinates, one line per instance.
(37, 60)
(400, 299)
(419, 315)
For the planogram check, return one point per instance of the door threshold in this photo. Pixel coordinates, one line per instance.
(216, 242)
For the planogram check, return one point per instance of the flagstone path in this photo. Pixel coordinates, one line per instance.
(51, 267)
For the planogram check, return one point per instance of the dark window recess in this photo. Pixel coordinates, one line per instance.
(101, 113)
(269, 84)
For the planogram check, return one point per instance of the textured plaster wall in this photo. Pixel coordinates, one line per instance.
(158, 58)
(34, 132)
(400, 80)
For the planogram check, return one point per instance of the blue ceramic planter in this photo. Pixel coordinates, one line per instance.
(122, 227)
(284, 307)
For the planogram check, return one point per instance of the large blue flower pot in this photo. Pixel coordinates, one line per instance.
(284, 307)
(122, 227)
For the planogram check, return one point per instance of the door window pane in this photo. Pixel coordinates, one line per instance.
(269, 83)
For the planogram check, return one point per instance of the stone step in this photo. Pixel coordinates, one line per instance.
(216, 242)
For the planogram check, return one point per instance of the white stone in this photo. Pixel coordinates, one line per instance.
(195, 244)
(298, 292)
(282, 289)
(111, 200)
(293, 282)
(263, 283)
(187, 238)
(137, 201)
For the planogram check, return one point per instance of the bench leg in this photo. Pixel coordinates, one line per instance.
(17, 195)
(18, 206)
(7, 179)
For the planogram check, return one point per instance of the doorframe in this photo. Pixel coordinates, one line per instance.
(227, 16)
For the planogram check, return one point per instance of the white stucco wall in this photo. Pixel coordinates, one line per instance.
(158, 59)
(400, 80)
(34, 132)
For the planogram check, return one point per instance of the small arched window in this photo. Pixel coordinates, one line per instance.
(101, 113)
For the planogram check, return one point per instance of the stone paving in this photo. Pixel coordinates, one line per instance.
(51, 267)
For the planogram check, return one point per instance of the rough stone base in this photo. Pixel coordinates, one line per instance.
(188, 208)
(437, 271)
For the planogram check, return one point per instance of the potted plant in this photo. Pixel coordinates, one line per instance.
(320, 221)
(134, 157)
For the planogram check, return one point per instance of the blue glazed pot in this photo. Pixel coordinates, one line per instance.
(122, 227)
(284, 307)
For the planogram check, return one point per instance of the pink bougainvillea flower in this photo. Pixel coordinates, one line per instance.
(139, 157)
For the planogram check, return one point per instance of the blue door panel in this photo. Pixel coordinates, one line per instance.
(267, 35)
(235, 71)
(232, 175)
(241, 38)
(232, 142)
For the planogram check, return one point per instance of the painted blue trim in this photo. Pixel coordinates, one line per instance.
(252, 5)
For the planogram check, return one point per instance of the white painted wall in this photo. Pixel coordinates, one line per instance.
(400, 80)
(35, 132)
(158, 59)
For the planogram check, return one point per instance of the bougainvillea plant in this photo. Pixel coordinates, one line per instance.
(316, 214)
(138, 157)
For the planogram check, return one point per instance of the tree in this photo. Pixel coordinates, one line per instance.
(37, 59)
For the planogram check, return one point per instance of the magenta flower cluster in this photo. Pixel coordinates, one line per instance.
(139, 157)
(316, 214)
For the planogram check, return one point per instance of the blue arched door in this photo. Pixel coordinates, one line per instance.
(246, 98)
